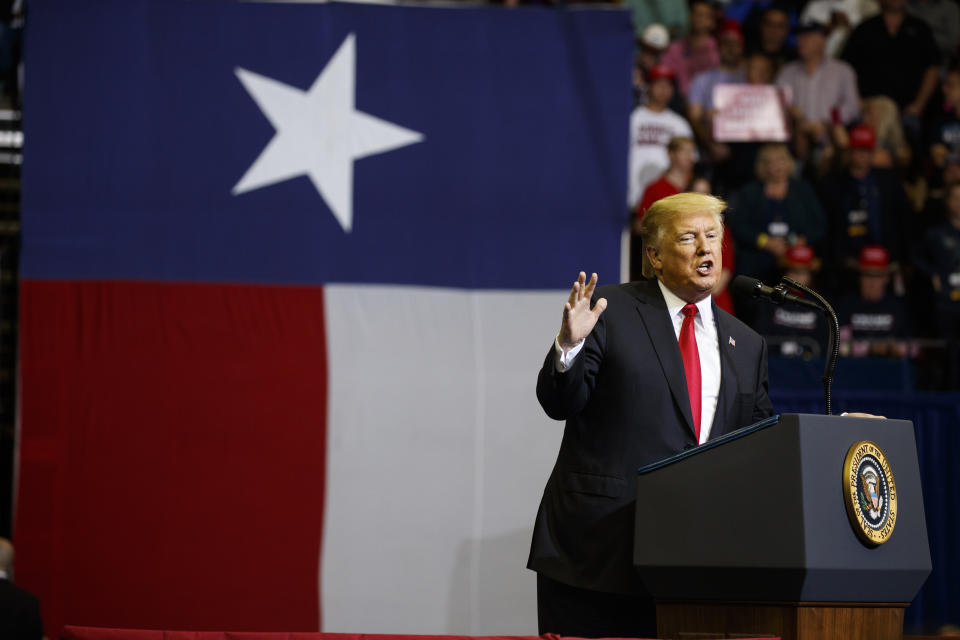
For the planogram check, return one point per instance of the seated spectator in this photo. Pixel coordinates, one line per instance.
(872, 320)
(791, 330)
(19, 609)
(651, 45)
(938, 257)
(934, 210)
(773, 213)
(943, 131)
(697, 51)
(700, 98)
(682, 154)
(822, 91)
(840, 16)
(772, 37)
(865, 206)
(894, 54)
(943, 18)
(651, 128)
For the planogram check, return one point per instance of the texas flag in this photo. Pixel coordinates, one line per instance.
(288, 273)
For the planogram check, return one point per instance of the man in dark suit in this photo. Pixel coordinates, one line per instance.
(622, 373)
(19, 609)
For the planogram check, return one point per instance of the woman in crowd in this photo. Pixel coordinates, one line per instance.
(772, 213)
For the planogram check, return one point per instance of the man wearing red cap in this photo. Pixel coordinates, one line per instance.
(872, 320)
(793, 331)
(651, 128)
(865, 205)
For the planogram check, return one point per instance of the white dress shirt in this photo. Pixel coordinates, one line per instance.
(708, 346)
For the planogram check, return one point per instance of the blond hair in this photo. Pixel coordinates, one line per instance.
(658, 216)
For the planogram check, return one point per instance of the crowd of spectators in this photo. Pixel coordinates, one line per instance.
(857, 194)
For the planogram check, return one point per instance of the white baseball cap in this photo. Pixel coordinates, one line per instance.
(656, 37)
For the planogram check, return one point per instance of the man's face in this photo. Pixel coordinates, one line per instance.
(759, 70)
(951, 89)
(683, 158)
(701, 18)
(688, 260)
(648, 57)
(661, 91)
(731, 50)
(777, 166)
(774, 28)
(811, 45)
(860, 159)
(873, 286)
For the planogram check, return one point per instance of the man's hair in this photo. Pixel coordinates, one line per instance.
(658, 216)
(678, 141)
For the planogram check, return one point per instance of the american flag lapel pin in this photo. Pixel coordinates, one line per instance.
(733, 342)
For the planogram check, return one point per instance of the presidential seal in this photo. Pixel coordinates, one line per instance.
(869, 492)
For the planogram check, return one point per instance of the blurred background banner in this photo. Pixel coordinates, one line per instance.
(288, 274)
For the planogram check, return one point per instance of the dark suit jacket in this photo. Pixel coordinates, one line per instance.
(625, 402)
(19, 613)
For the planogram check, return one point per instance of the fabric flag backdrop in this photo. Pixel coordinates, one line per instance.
(288, 273)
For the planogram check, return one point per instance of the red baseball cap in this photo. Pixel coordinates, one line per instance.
(862, 137)
(800, 256)
(660, 72)
(874, 258)
(730, 27)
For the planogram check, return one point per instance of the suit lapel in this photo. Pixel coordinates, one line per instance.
(726, 399)
(653, 311)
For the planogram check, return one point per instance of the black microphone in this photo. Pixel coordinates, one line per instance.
(777, 295)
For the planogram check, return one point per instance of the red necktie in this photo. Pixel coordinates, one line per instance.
(691, 363)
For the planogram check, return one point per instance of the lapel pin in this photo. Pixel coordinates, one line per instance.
(733, 342)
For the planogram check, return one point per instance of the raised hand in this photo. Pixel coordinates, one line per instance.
(578, 318)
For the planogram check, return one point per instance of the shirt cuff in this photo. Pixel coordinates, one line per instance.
(563, 361)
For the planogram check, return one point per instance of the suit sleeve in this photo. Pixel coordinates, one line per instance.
(565, 394)
(763, 407)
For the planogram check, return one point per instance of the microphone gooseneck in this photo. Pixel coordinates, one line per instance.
(780, 294)
(833, 348)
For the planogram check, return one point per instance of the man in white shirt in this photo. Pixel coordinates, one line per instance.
(651, 128)
(823, 91)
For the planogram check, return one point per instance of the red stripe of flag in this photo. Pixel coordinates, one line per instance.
(172, 454)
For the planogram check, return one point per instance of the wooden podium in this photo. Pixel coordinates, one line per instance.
(750, 535)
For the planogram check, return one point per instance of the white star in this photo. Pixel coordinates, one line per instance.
(319, 132)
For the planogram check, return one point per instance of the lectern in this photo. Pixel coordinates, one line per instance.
(801, 526)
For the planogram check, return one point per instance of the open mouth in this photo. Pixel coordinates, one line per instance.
(705, 268)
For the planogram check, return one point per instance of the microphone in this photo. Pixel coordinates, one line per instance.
(777, 295)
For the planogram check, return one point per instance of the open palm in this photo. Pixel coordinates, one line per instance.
(578, 318)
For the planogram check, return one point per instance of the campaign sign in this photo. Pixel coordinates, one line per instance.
(749, 113)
